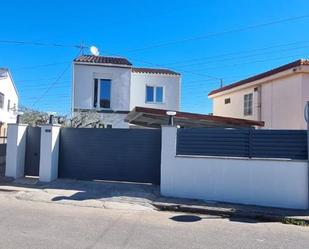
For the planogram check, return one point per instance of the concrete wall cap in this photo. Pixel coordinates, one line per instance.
(17, 124)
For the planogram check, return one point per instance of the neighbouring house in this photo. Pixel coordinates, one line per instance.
(277, 97)
(8, 101)
(113, 87)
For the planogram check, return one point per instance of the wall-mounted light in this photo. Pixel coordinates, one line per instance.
(171, 115)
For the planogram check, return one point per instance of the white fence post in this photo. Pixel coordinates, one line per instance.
(49, 153)
(168, 152)
(16, 150)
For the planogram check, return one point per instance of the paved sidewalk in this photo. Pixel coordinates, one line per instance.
(112, 195)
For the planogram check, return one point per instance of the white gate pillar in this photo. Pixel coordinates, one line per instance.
(49, 153)
(16, 150)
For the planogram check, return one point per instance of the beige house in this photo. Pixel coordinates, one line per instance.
(277, 97)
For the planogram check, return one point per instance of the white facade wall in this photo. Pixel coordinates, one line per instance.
(282, 102)
(114, 119)
(127, 91)
(9, 91)
(49, 153)
(83, 86)
(171, 90)
(275, 183)
(16, 150)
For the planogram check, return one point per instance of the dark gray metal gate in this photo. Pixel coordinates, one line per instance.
(32, 161)
(2, 158)
(131, 155)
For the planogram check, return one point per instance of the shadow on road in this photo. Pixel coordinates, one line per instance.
(186, 218)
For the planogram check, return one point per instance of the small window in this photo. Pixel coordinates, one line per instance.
(159, 94)
(154, 94)
(227, 101)
(95, 93)
(1, 100)
(105, 93)
(9, 105)
(149, 94)
(248, 103)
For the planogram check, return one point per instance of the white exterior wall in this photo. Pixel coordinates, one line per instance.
(276, 183)
(114, 119)
(171, 90)
(9, 91)
(49, 153)
(282, 102)
(127, 90)
(16, 150)
(84, 76)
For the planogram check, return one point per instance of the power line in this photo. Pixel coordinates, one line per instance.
(160, 65)
(23, 89)
(247, 53)
(207, 36)
(249, 62)
(40, 65)
(51, 85)
(241, 57)
(42, 44)
(35, 80)
(55, 82)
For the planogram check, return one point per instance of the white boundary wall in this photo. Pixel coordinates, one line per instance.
(15, 150)
(49, 153)
(276, 183)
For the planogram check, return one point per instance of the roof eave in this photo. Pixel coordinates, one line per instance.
(101, 64)
(294, 69)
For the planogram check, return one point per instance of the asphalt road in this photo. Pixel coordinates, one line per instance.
(28, 224)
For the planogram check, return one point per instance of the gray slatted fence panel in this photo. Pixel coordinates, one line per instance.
(243, 143)
(213, 142)
(280, 144)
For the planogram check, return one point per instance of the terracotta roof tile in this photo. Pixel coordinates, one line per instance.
(103, 60)
(153, 71)
(262, 75)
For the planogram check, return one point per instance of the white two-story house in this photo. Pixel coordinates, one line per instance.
(276, 97)
(8, 101)
(113, 87)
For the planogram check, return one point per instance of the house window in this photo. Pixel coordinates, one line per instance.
(105, 93)
(102, 93)
(95, 93)
(9, 105)
(248, 98)
(159, 94)
(227, 101)
(149, 94)
(154, 94)
(1, 100)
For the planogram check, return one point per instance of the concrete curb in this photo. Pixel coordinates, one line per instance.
(230, 213)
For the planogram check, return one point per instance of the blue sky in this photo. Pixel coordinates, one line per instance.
(188, 36)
